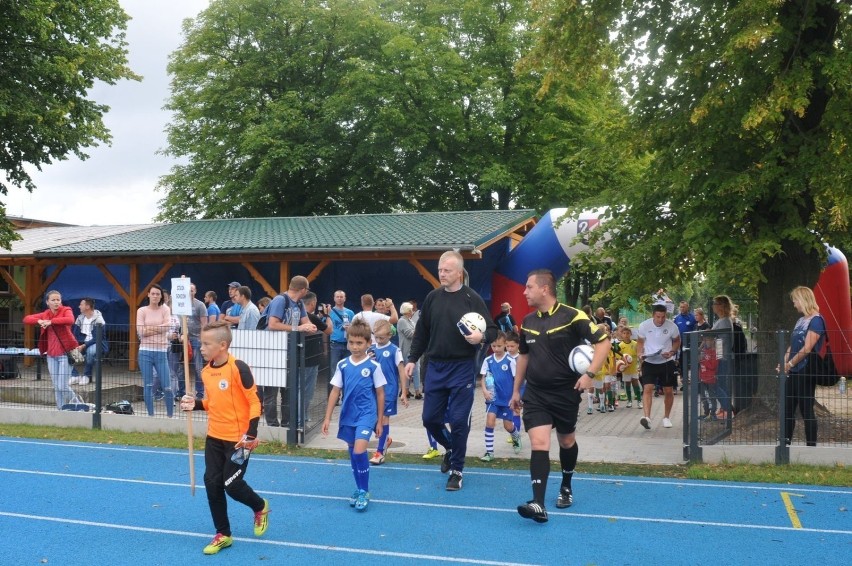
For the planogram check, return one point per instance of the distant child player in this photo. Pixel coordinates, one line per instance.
(630, 373)
(707, 385)
(389, 357)
(498, 379)
(513, 343)
(363, 385)
(233, 410)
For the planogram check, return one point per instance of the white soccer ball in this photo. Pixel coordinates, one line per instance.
(628, 359)
(471, 322)
(580, 358)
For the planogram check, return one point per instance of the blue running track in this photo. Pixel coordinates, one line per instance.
(75, 503)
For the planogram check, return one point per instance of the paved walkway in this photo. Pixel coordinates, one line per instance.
(615, 437)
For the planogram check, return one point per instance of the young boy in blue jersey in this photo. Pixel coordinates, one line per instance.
(363, 383)
(389, 357)
(501, 367)
(513, 343)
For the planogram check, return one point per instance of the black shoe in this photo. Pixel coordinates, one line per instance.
(534, 511)
(272, 423)
(445, 462)
(454, 482)
(565, 499)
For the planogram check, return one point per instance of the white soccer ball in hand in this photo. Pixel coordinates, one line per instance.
(580, 358)
(470, 323)
(628, 359)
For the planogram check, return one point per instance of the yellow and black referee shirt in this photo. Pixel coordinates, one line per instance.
(548, 337)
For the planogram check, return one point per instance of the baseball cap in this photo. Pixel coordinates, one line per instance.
(505, 307)
(234, 284)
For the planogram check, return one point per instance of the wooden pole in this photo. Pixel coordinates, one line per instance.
(189, 437)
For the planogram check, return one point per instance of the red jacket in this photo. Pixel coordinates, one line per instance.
(56, 339)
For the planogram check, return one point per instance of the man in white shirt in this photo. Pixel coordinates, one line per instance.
(657, 346)
(371, 317)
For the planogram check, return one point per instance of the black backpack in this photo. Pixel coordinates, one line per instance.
(8, 368)
(740, 345)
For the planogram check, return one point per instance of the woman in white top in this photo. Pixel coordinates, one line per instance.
(153, 325)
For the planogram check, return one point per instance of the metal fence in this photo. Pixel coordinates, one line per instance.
(750, 400)
(26, 380)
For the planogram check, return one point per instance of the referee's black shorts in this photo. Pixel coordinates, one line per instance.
(555, 407)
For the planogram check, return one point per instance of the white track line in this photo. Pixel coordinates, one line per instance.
(605, 517)
(328, 548)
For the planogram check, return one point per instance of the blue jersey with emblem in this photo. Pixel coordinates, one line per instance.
(389, 357)
(503, 371)
(358, 380)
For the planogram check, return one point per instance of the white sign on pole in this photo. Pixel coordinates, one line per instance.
(181, 297)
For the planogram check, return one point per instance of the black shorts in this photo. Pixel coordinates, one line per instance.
(555, 407)
(664, 374)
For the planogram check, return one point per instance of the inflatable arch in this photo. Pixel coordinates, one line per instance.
(551, 244)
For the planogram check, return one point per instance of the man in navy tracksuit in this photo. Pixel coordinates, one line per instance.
(450, 373)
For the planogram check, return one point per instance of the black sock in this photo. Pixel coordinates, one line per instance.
(539, 470)
(568, 459)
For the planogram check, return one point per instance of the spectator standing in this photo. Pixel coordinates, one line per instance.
(231, 308)
(194, 324)
(370, 316)
(450, 370)
(153, 325)
(249, 313)
(286, 313)
(263, 303)
(657, 344)
(406, 326)
(505, 321)
(55, 339)
(213, 311)
(685, 322)
(84, 328)
(807, 337)
(313, 351)
(701, 320)
(340, 318)
(602, 318)
(724, 333)
(552, 395)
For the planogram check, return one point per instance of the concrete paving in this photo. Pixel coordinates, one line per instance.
(615, 437)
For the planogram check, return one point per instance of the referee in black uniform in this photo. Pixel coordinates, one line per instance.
(552, 394)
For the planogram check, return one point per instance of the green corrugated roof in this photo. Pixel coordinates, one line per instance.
(365, 232)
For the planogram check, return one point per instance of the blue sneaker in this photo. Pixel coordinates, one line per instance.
(362, 500)
(354, 499)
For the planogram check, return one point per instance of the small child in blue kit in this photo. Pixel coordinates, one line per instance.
(389, 357)
(498, 380)
(363, 383)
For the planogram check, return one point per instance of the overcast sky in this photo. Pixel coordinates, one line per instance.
(116, 184)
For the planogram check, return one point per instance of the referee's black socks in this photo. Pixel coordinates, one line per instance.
(539, 470)
(568, 461)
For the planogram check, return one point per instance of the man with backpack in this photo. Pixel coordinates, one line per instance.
(504, 321)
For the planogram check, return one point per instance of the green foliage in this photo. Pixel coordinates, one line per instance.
(744, 111)
(289, 107)
(52, 54)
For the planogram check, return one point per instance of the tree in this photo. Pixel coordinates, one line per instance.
(286, 107)
(53, 52)
(745, 111)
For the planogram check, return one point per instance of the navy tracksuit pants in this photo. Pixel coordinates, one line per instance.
(449, 390)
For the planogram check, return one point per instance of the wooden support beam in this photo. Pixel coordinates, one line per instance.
(425, 273)
(283, 276)
(13, 285)
(144, 292)
(256, 275)
(133, 337)
(317, 270)
(47, 282)
(118, 287)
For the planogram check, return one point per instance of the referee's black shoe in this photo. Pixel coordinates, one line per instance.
(534, 511)
(445, 463)
(565, 499)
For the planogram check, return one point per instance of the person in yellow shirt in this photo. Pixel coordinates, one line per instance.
(630, 373)
(233, 411)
